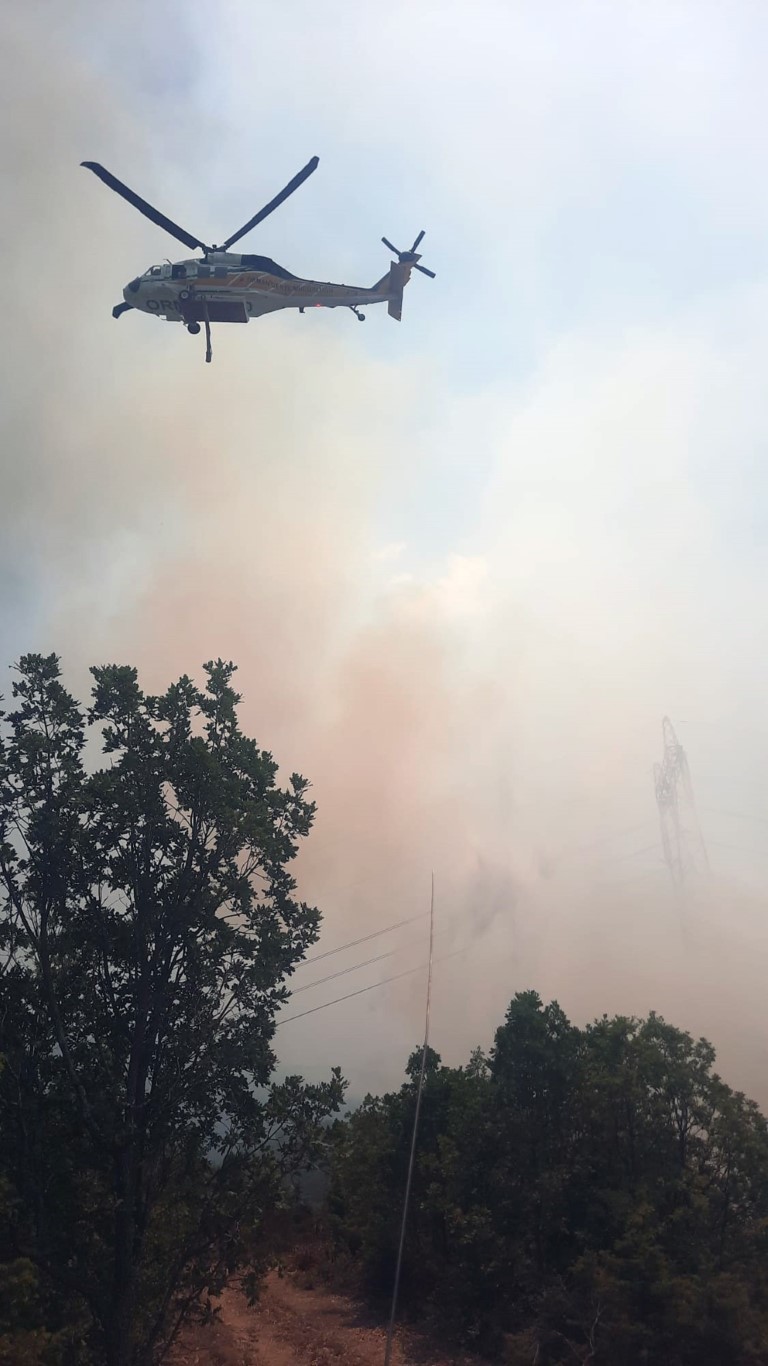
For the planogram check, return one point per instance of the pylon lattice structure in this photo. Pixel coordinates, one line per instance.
(684, 850)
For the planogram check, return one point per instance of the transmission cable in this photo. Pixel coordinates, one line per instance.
(352, 943)
(362, 990)
(356, 967)
(366, 963)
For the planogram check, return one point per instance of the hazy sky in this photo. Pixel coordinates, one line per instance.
(465, 563)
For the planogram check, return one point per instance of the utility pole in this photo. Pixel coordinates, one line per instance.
(684, 850)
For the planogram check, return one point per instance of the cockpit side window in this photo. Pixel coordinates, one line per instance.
(178, 272)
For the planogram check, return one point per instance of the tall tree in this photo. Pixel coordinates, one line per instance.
(591, 1195)
(148, 921)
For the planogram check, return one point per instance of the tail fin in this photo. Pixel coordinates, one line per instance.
(399, 275)
(392, 284)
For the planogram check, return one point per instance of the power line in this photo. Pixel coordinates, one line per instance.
(622, 858)
(635, 853)
(352, 943)
(356, 967)
(628, 881)
(361, 990)
(408, 973)
(596, 844)
(739, 849)
(736, 815)
(367, 962)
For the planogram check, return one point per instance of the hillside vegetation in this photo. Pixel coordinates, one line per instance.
(592, 1195)
(596, 1195)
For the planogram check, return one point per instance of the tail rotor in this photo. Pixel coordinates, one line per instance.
(410, 258)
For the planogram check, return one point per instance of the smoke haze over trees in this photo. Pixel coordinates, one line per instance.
(465, 565)
(489, 549)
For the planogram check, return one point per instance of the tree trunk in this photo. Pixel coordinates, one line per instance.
(120, 1329)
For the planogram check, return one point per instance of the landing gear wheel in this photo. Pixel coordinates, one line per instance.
(183, 295)
(361, 317)
(193, 328)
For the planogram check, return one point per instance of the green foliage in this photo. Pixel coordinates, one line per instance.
(595, 1195)
(147, 925)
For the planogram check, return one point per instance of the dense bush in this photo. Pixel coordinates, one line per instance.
(594, 1195)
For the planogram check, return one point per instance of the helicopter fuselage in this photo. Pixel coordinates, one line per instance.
(230, 287)
(233, 287)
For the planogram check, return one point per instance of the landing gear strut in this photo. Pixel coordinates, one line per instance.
(360, 316)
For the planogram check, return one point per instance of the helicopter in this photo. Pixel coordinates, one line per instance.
(226, 287)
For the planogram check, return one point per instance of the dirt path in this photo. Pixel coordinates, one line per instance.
(292, 1327)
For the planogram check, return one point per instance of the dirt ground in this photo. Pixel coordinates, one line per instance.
(294, 1327)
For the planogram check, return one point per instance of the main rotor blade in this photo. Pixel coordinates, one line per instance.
(143, 207)
(273, 203)
(424, 271)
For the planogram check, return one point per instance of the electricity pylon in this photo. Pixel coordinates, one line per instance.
(684, 851)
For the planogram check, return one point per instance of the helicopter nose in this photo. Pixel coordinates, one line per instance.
(134, 286)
